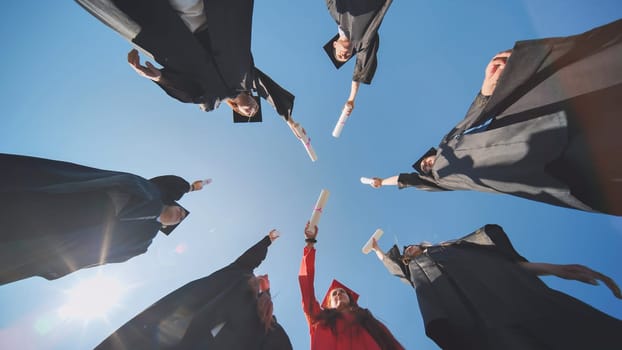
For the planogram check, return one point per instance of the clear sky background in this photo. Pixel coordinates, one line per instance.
(67, 93)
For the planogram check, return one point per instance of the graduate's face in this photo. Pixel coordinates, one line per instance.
(244, 104)
(339, 298)
(343, 49)
(172, 215)
(427, 163)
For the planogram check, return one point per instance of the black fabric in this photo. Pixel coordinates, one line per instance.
(184, 318)
(474, 294)
(171, 187)
(62, 217)
(205, 67)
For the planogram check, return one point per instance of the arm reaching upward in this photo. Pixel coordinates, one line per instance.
(573, 272)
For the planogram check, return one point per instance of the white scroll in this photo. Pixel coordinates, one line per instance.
(306, 142)
(367, 247)
(340, 123)
(367, 180)
(319, 207)
(206, 182)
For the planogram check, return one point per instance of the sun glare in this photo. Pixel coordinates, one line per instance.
(92, 298)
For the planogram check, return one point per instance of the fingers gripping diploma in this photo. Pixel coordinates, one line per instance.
(493, 72)
(148, 71)
(274, 234)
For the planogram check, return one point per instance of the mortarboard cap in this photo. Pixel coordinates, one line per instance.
(238, 118)
(330, 51)
(417, 165)
(354, 297)
(168, 229)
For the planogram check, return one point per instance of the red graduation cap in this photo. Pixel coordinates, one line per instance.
(354, 297)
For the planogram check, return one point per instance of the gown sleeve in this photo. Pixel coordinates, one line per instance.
(172, 187)
(179, 87)
(254, 255)
(281, 99)
(367, 62)
(306, 276)
(502, 242)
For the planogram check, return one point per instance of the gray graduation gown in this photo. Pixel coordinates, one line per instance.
(554, 131)
(473, 294)
(360, 20)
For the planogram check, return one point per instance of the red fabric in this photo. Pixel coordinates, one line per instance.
(336, 284)
(349, 335)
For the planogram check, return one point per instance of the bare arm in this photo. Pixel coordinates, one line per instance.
(573, 272)
(389, 181)
(354, 89)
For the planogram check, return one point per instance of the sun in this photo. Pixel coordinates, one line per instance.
(92, 298)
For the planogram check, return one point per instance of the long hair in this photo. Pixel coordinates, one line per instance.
(265, 308)
(363, 317)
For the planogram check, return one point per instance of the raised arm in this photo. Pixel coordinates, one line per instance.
(254, 255)
(389, 181)
(354, 89)
(573, 272)
(306, 277)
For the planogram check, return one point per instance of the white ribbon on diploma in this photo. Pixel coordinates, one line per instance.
(340, 123)
(319, 207)
(367, 247)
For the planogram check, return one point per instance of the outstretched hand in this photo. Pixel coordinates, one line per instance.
(348, 107)
(310, 232)
(197, 185)
(274, 234)
(494, 69)
(377, 183)
(148, 71)
(586, 275)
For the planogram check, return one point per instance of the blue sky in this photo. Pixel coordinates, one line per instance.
(68, 94)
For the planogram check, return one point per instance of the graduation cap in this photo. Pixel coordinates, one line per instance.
(168, 229)
(239, 118)
(330, 51)
(417, 165)
(354, 297)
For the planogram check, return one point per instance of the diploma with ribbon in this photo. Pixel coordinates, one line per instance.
(367, 247)
(319, 207)
(306, 141)
(341, 122)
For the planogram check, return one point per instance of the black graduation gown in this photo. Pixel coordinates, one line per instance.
(473, 294)
(202, 68)
(360, 21)
(554, 127)
(184, 318)
(59, 217)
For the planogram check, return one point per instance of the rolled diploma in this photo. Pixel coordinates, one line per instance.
(340, 123)
(367, 247)
(319, 207)
(206, 182)
(367, 180)
(306, 142)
